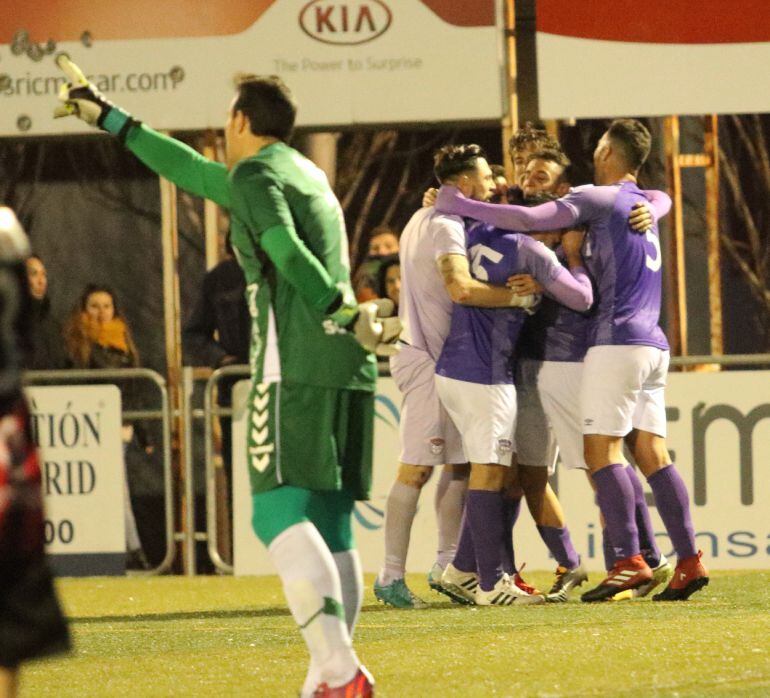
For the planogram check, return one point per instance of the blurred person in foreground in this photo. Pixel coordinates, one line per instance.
(47, 350)
(31, 621)
(311, 407)
(97, 335)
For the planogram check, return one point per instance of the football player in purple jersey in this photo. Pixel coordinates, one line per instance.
(474, 379)
(625, 368)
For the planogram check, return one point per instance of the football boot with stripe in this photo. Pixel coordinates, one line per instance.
(506, 593)
(459, 586)
(689, 576)
(566, 580)
(627, 574)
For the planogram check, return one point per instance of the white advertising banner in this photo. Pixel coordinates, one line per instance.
(171, 62)
(719, 434)
(624, 58)
(78, 431)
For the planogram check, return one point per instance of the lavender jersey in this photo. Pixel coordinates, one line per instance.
(555, 332)
(626, 265)
(481, 340)
(425, 309)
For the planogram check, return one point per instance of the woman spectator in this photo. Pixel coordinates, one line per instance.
(97, 335)
(46, 351)
(389, 279)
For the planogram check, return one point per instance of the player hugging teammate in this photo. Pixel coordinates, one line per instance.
(593, 380)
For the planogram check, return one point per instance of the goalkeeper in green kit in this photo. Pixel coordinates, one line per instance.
(311, 405)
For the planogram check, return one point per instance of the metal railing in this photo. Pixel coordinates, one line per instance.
(723, 360)
(211, 410)
(163, 414)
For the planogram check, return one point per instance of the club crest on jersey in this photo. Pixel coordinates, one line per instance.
(436, 446)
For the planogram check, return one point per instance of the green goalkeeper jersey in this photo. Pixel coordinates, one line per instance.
(289, 237)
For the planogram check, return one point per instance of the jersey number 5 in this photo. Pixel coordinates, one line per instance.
(653, 263)
(478, 254)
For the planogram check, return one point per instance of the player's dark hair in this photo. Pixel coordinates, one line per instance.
(452, 160)
(556, 156)
(267, 103)
(382, 273)
(530, 137)
(634, 140)
(497, 170)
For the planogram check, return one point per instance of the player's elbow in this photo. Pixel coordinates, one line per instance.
(459, 292)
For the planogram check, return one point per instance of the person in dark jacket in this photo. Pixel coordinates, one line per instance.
(46, 350)
(97, 335)
(217, 334)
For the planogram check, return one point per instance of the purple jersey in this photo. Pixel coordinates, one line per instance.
(555, 333)
(626, 265)
(481, 341)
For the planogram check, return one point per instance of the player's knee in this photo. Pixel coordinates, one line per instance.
(458, 471)
(414, 475)
(487, 477)
(533, 480)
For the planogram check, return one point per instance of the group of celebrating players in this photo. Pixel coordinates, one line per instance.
(483, 366)
(491, 383)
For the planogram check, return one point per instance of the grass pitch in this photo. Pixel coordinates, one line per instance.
(222, 636)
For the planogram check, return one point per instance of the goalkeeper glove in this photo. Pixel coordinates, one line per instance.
(81, 98)
(372, 323)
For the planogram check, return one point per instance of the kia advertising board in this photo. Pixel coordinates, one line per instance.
(623, 58)
(719, 436)
(171, 62)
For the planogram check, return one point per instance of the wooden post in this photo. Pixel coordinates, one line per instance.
(711, 149)
(676, 301)
(173, 331)
(511, 114)
(210, 209)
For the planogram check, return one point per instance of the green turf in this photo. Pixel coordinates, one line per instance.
(220, 636)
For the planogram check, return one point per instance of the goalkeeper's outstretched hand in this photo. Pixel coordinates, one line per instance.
(376, 328)
(81, 98)
(372, 323)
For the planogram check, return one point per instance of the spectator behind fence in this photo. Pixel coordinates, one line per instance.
(218, 330)
(97, 335)
(46, 348)
(389, 279)
(383, 241)
(217, 334)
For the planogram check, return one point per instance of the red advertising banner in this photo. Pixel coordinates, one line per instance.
(612, 58)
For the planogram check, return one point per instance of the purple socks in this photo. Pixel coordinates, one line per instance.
(616, 498)
(511, 509)
(647, 543)
(465, 555)
(558, 541)
(484, 511)
(673, 504)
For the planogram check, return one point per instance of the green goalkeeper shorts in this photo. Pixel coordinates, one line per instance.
(310, 437)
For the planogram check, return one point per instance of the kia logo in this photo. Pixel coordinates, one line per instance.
(353, 22)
